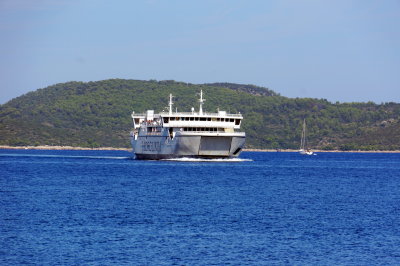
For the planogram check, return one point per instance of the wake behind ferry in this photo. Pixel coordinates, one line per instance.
(192, 134)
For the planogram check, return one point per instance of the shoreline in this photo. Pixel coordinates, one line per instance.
(319, 151)
(45, 147)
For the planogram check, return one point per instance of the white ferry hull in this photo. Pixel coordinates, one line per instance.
(188, 145)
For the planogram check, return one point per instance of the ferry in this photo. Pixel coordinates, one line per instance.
(169, 135)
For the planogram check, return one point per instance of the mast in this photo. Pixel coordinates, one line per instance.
(201, 102)
(304, 141)
(170, 104)
(303, 136)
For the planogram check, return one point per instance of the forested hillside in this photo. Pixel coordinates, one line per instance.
(92, 114)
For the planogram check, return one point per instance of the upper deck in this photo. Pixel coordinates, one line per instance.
(187, 119)
(193, 119)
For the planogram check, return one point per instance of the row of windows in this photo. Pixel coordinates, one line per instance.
(207, 129)
(203, 129)
(215, 119)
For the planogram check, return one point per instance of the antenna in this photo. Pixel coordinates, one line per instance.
(170, 104)
(201, 102)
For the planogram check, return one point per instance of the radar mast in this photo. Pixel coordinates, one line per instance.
(170, 104)
(201, 103)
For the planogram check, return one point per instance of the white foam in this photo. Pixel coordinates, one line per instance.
(219, 160)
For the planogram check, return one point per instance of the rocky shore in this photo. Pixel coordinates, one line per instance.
(290, 150)
(61, 148)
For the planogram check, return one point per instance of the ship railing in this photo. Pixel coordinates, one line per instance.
(151, 123)
(154, 133)
(189, 114)
(197, 114)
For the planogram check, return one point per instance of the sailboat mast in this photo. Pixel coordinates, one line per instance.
(304, 129)
(303, 136)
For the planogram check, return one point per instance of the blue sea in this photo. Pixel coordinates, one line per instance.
(104, 208)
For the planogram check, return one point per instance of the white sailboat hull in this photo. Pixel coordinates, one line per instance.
(303, 152)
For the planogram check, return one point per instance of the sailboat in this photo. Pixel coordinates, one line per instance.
(303, 146)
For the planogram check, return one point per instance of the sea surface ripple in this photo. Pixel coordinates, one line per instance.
(104, 208)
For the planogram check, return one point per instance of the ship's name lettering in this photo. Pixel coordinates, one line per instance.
(151, 146)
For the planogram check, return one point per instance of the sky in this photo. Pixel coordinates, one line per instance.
(339, 50)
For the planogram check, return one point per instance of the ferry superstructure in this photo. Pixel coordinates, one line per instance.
(192, 134)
